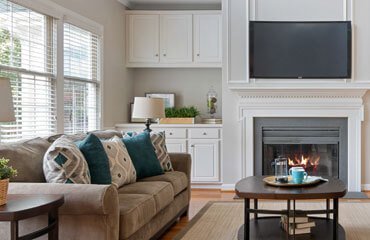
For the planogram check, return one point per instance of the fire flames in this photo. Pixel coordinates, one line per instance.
(307, 162)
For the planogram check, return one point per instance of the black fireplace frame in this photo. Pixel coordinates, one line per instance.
(299, 123)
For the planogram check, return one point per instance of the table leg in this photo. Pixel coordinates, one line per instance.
(246, 218)
(288, 218)
(327, 208)
(14, 230)
(335, 218)
(255, 207)
(294, 219)
(53, 218)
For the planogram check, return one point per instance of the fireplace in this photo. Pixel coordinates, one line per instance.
(317, 144)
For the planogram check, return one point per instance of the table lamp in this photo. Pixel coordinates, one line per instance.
(6, 100)
(148, 108)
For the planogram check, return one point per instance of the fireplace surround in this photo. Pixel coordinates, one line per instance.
(303, 103)
(317, 144)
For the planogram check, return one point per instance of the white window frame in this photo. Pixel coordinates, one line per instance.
(64, 15)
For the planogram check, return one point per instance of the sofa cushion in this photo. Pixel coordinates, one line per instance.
(121, 167)
(178, 180)
(135, 211)
(73, 137)
(143, 156)
(65, 163)
(161, 191)
(94, 153)
(106, 134)
(26, 157)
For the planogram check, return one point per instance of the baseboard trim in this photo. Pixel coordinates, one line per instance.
(206, 186)
(365, 187)
(228, 187)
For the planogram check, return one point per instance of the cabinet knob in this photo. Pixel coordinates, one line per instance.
(198, 54)
(171, 133)
(191, 145)
(156, 55)
(164, 54)
(204, 133)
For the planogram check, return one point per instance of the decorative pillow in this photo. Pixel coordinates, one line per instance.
(64, 163)
(159, 142)
(94, 153)
(143, 156)
(121, 167)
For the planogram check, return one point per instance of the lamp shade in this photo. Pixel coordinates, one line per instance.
(6, 101)
(148, 108)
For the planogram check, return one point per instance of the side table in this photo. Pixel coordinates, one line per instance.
(23, 206)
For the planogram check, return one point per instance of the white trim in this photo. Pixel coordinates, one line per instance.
(125, 3)
(151, 12)
(227, 187)
(365, 187)
(60, 76)
(305, 104)
(206, 186)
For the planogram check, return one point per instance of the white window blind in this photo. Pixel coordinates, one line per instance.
(81, 80)
(27, 57)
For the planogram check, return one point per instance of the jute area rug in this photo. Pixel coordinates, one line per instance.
(221, 220)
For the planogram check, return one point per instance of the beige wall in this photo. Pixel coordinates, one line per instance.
(189, 85)
(117, 80)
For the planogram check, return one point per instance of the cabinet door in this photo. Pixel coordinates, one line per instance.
(205, 160)
(207, 38)
(143, 38)
(176, 145)
(176, 38)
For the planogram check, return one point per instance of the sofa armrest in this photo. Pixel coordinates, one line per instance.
(181, 162)
(79, 199)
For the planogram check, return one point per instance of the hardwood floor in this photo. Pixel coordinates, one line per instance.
(199, 198)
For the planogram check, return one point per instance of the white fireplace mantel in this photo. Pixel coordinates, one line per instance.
(304, 103)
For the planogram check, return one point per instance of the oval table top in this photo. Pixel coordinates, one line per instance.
(22, 206)
(255, 188)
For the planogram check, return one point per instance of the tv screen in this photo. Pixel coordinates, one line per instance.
(300, 49)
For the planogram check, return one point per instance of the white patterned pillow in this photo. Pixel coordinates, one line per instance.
(159, 143)
(64, 163)
(121, 167)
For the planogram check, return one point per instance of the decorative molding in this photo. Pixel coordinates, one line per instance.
(304, 104)
(228, 187)
(126, 3)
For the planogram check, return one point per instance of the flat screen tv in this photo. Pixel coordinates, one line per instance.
(300, 49)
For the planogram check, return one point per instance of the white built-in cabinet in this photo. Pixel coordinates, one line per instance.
(174, 39)
(143, 38)
(201, 141)
(207, 38)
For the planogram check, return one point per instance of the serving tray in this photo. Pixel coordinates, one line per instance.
(310, 180)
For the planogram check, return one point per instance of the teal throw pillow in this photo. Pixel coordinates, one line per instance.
(143, 155)
(97, 159)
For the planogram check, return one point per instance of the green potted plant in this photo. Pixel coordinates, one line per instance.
(184, 115)
(6, 172)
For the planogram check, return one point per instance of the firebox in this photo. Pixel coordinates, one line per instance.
(317, 144)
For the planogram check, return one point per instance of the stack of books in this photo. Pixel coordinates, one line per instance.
(302, 224)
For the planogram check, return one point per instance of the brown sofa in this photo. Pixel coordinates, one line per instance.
(142, 210)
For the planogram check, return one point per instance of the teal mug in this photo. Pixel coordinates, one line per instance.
(298, 174)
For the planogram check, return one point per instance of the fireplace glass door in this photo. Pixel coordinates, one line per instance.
(320, 159)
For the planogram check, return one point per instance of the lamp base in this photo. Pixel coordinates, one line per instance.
(147, 124)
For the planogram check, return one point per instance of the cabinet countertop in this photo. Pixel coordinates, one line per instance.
(156, 125)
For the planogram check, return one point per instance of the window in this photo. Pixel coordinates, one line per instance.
(27, 47)
(81, 80)
(28, 56)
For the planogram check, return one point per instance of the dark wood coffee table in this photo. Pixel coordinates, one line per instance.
(269, 227)
(22, 206)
